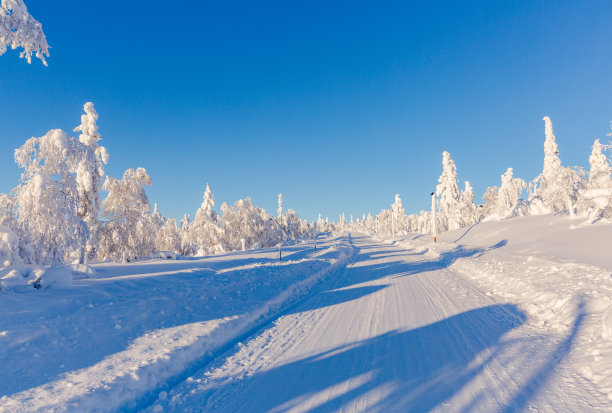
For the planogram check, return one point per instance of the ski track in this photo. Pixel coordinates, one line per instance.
(396, 331)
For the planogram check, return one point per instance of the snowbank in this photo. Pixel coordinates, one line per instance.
(29, 278)
(555, 268)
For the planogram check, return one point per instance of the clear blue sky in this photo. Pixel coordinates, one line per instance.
(338, 105)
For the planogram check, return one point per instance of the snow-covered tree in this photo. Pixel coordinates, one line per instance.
(18, 29)
(168, 237)
(600, 169)
(7, 211)
(186, 246)
(424, 222)
(596, 199)
(448, 192)
(398, 215)
(370, 223)
(205, 233)
(467, 208)
(129, 231)
(47, 197)
(384, 222)
(244, 225)
(556, 188)
(280, 206)
(509, 193)
(490, 201)
(90, 174)
(295, 227)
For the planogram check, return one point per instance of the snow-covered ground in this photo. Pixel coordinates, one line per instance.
(411, 326)
(555, 268)
(108, 341)
(511, 315)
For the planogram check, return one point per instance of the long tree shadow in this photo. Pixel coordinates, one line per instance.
(539, 378)
(168, 294)
(413, 370)
(380, 261)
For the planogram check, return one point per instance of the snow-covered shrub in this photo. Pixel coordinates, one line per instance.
(20, 277)
(19, 29)
(54, 277)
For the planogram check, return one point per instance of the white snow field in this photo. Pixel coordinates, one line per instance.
(511, 315)
(110, 340)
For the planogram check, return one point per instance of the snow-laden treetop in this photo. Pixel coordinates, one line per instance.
(19, 29)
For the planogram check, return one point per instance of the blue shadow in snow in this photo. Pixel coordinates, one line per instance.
(419, 368)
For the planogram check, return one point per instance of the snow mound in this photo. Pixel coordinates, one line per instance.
(82, 270)
(20, 278)
(55, 277)
(28, 278)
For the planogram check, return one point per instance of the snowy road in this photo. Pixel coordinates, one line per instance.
(395, 331)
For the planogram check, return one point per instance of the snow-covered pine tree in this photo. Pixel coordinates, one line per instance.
(448, 192)
(205, 233)
(370, 223)
(467, 208)
(556, 188)
(399, 215)
(127, 232)
(157, 220)
(19, 29)
(90, 175)
(596, 199)
(47, 197)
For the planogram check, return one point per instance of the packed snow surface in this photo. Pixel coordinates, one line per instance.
(511, 315)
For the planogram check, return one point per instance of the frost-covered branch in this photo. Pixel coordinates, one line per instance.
(18, 29)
